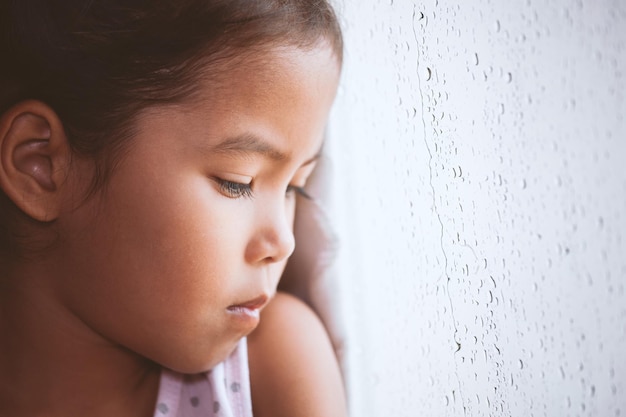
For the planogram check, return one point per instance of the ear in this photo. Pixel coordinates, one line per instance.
(34, 158)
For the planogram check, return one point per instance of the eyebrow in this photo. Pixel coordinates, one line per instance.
(248, 144)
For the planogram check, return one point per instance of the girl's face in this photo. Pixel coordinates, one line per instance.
(175, 257)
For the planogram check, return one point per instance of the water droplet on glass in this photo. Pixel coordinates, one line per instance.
(476, 61)
(427, 74)
(558, 181)
(523, 184)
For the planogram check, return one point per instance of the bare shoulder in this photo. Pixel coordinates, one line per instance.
(293, 369)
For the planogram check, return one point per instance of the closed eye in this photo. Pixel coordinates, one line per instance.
(298, 190)
(233, 189)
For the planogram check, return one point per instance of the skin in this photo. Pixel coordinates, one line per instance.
(195, 219)
(293, 370)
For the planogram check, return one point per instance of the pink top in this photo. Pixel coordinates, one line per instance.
(224, 391)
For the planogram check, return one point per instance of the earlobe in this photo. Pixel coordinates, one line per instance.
(34, 156)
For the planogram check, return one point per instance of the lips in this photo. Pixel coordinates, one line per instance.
(250, 308)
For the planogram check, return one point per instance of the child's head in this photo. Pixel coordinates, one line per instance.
(153, 148)
(98, 64)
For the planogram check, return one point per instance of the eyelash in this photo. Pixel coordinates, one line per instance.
(238, 190)
(300, 191)
(235, 189)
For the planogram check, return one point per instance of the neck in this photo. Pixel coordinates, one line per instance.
(52, 364)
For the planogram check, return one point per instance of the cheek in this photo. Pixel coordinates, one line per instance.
(177, 238)
(169, 259)
(191, 227)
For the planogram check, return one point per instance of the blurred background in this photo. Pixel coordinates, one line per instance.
(479, 195)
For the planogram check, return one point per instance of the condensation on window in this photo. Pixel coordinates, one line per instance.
(480, 199)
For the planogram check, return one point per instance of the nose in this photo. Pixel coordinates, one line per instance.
(272, 240)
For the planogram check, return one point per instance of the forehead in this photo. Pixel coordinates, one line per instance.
(286, 93)
(274, 78)
(290, 68)
(282, 95)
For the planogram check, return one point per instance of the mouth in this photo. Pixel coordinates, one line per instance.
(251, 308)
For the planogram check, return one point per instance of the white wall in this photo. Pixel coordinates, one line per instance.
(479, 194)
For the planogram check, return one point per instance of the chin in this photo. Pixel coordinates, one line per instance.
(196, 362)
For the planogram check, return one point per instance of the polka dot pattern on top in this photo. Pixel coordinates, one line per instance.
(222, 392)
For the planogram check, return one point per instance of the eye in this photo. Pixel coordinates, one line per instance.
(234, 189)
(298, 190)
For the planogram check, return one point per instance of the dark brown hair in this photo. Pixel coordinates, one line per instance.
(98, 63)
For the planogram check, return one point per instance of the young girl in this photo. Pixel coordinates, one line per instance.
(151, 152)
